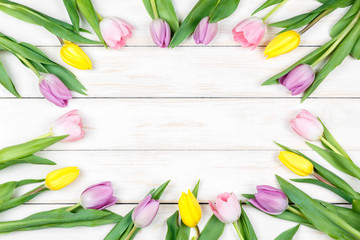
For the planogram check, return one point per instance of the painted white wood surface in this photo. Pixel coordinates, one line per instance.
(183, 114)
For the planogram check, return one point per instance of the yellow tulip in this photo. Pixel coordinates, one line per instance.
(190, 210)
(60, 178)
(73, 55)
(296, 163)
(282, 43)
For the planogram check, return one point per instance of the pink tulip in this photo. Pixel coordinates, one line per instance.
(205, 32)
(54, 90)
(270, 200)
(115, 31)
(98, 196)
(226, 208)
(307, 126)
(249, 32)
(160, 32)
(145, 212)
(69, 124)
(298, 79)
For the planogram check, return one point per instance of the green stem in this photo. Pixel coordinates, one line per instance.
(236, 226)
(297, 212)
(49, 134)
(315, 20)
(28, 64)
(321, 179)
(99, 17)
(73, 207)
(153, 6)
(274, 10)
(128, 237)
(327, 143)
(340, 37)
(36, 190)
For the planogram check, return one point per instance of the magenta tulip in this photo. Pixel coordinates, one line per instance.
(307, 126)
(160, 32)
(98, 196)
(226, 208)
(205, 32)
(298, 79)
(145, 212)
(115, 31)
(69, 124)
(249, 32)
(270, 200)
(54, 90)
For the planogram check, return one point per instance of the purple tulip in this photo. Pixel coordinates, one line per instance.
(205, 32)
(98, 196)
(270, 200)
(226, 208)
(298, 79)
(160, 32)
(145, 212)
(54, 90)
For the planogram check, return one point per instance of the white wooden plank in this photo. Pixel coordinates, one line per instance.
(227, 124)
(265, 226)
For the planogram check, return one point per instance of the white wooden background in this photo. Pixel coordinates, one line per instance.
(183, 114)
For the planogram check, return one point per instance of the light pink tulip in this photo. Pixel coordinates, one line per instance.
(205, 32)
(115, 31)
(249, 32)
(69, 124)
(160, 32)
(54, 90)
(145, 212)
(307, 126)
(226, 208)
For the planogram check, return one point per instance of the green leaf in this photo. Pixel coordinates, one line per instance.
(6, 81)
(202, 9)
(295, 22)
(267, 4)
(195, 191)
(172, 226)
(246, 227)
(28, 148)
(70, 6)
(120, 227)
(7, 189)
(213, 229)
(223, 10)
(355, 51)
(344, 21)
(32, 159)
(166, 11)
(160, 190)
(288, 234)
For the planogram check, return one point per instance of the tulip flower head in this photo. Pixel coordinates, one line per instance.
(270, 200)
(190, 210)
(249, 32)
(69, 124)
(60, 178)
(307, 126)
(160, 32)
(282, 43)
(115, 32)
(298, 79)
(205, 32)
(73, 55)
(98, 196)
(145, 212)
(226, 208)
(54, 90)
(296, 163)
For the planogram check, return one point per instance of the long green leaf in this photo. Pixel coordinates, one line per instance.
(246, 227)
(267, 4)
(31, 159)
(70, 6)
(213, 229)
(288, 234)
(6, 82)
(172, 226)
(223, 10)
(7, 189)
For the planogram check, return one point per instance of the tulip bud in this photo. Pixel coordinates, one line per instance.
(69, 124)
(145, 212)
(249, 32)
(205, 32)
(298, 79)
(270, 200)
(307, 126)
(160, 32)
(98, 196)
(226, 208)
(115, 32)
(60, 178)
(282, 43)
(54, 90)
(296, 163)
(190, 210)
(73, 55)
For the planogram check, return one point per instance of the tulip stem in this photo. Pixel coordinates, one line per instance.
(28, 64)
(60, 40)
(315, 20)
(327, 143)
(49, 134)
(128, 237)
(236, 226)
(73, 207)
(297, 212)
(321, 179)
(36, 190)
(153, 6)
(274, 10)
